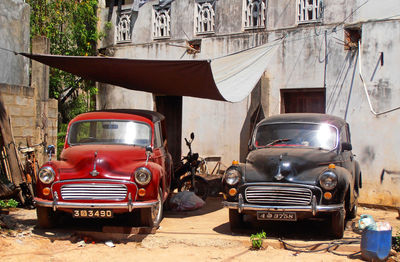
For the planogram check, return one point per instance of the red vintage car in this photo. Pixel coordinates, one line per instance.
(113, 162)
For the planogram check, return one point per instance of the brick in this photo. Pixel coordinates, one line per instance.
(19, 122)
(14, 111)
(27, 132)
(21, 101)
(17, 132)
(8, 99)
(16, 90)
(52, 113)
(28, 91)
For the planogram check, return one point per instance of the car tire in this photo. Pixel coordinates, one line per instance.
(235, 220)
(353, 212)
(151, 217)
(47, 218)
(338, 224)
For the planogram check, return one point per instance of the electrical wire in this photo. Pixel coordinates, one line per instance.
(328, 247)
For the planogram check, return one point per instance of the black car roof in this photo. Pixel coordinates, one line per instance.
(151, 115)
(304, 118)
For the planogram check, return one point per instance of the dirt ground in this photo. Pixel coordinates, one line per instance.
(201, 235)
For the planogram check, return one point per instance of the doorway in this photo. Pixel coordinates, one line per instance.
(308, 100)
(171, 108)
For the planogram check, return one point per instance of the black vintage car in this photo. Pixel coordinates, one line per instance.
(300, 166)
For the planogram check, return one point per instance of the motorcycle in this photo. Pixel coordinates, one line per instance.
(186, 178)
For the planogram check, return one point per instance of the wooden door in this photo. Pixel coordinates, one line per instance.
(303, 100)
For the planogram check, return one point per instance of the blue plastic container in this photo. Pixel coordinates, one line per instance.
(376, 245)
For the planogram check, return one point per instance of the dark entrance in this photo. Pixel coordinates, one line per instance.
(303, 100)
(171, 108)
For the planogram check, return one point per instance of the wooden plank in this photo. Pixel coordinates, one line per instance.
(12, 156)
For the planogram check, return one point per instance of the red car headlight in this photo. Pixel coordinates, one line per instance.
(47, 175)
(142, 176)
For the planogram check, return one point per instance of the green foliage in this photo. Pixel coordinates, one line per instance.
(71, 27)
(396, 242)
(257, 240)
(7, 204)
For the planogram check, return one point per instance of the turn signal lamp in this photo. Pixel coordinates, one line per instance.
(331, 166)
(327, 195)
(232, 191)
(46, 191)
(142, 192)
(235, 162)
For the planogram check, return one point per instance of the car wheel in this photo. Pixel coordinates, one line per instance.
(151, 217)
(338, 223)
(235, 220)
(353, 212)
(47, 218)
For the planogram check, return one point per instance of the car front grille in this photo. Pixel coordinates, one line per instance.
(93, 192)
(277, 195)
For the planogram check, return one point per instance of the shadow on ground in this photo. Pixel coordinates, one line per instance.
(308, 230)
(212, 204)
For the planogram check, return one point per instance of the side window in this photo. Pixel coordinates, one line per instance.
(344, 137)
(157, 135)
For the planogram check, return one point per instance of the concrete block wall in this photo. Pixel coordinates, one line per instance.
(20, 104)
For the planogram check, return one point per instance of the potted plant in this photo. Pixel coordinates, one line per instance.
(5, 205)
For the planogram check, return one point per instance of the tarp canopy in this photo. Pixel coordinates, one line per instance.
(229, 78)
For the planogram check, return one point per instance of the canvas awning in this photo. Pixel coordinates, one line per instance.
(229, 78)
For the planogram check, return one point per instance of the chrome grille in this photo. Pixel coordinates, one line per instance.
(93, 192)
(277, 195)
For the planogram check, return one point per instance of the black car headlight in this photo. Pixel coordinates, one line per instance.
(232, 176)
(328, 180)
(142, 176)
(47, 175)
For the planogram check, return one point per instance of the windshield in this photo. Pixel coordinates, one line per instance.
(110, 132)
(296, 134)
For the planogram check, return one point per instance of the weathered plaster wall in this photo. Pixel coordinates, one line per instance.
(14, 32)
(306, 59)
(301, 64)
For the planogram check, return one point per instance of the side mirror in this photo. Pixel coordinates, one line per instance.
(149, 151)
(50, 151)
(192, 135)
(346, 146)
(250, 146)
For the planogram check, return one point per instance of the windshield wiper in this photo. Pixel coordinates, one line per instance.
(280, 140)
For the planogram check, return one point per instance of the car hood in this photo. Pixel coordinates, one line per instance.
(283, 164)
(110, 161)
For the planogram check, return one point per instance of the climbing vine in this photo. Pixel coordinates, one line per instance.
(71, 27)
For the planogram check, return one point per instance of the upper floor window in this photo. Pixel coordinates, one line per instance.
(204, 16)
(254, 13)
(308, 11)
(161, 22)
(123, 28)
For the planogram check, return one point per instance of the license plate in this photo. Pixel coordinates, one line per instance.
(280, 216)
(92, 213)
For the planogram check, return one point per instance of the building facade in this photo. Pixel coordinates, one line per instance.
(337, 57)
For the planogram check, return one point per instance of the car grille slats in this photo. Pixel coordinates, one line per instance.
(93, 192)
(274, 195)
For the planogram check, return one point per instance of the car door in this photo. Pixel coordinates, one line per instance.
(347, 155)
(161, 155)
